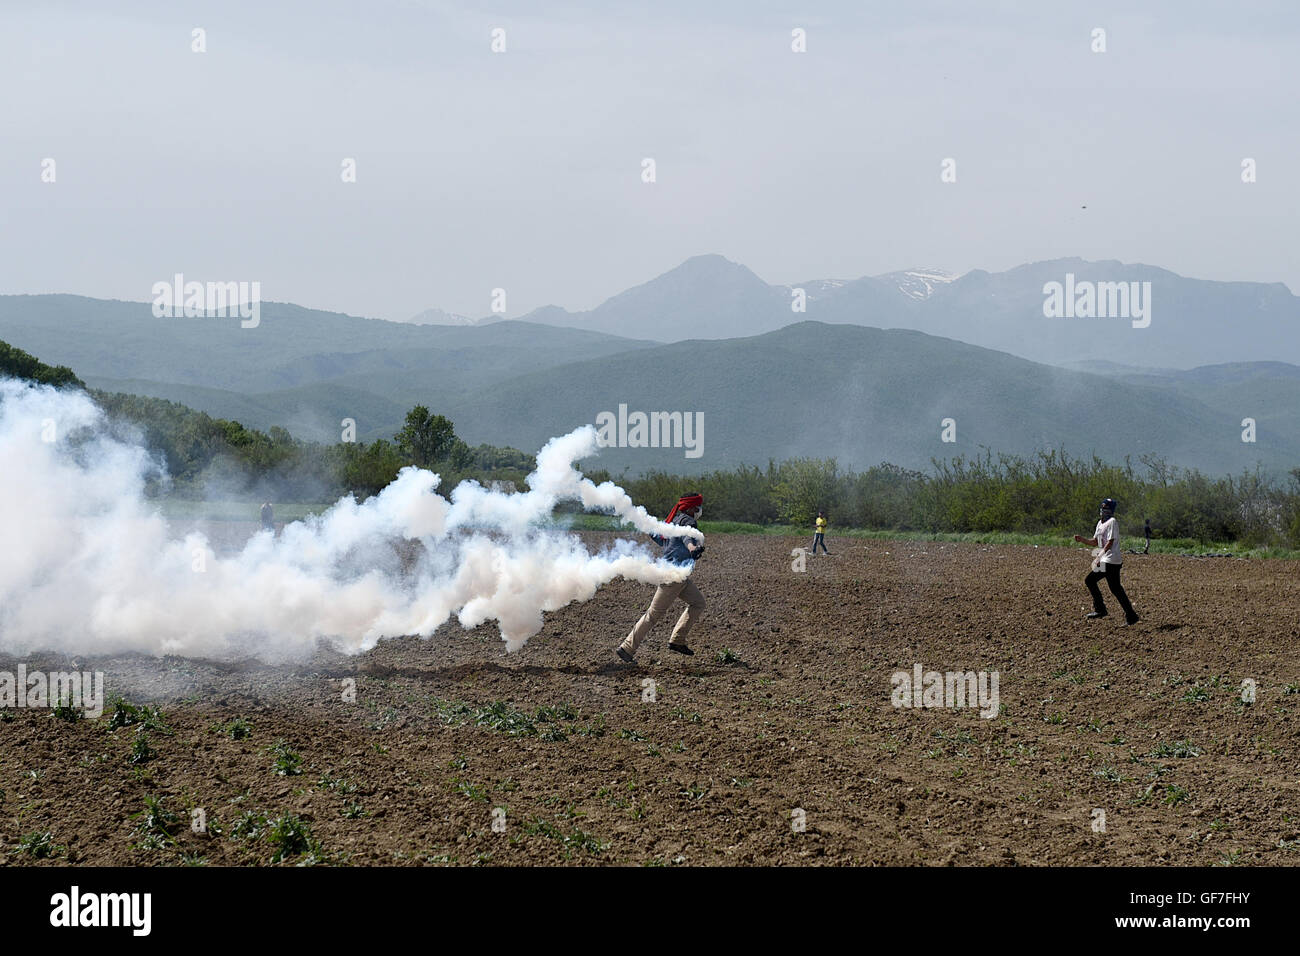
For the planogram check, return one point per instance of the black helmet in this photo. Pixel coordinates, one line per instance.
(1108, 506)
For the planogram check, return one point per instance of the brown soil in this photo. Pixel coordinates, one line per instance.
(797, 716)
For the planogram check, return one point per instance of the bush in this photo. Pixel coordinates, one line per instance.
(805, 486)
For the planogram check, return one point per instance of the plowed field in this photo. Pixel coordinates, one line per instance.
(786, 707)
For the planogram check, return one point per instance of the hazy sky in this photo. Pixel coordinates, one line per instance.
(522, 169)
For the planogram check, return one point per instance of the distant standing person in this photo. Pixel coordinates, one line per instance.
(1147, 531)
(268, 517)
(682, 551)
(1108, 563)
(819, 533)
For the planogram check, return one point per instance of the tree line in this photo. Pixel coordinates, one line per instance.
(205, 456)
(1049, 492)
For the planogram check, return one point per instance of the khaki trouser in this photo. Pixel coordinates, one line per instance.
(664, 597)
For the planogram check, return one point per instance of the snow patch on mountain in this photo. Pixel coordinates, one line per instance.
(439, 317)
(817, 288)
(919, 283)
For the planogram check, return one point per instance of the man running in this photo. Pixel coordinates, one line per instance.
(1108, 563)
(681, 551)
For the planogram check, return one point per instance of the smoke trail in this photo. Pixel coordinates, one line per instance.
(91, 567)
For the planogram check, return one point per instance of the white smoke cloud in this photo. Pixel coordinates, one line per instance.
(91, 568)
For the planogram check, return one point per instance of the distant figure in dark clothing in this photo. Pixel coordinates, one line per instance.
(1107, 562)
(268, 517)
(1147, 529)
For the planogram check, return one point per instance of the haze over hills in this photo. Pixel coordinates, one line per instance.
(1193, 321)
(298, 367)
(706, 297)
(1265, 391)
(866, 395)
(439, 317)
(291, 345)
(856, 393)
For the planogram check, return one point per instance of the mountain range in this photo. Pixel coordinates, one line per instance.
(847, 378)
(1193, 321)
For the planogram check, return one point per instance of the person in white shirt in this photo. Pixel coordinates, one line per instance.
(1107, 565)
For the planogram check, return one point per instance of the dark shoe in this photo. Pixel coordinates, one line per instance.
(681, 649)
(623, 654)
(1098, 614)
(1129, 622)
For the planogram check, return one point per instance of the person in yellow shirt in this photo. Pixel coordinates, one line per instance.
(819, 536)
